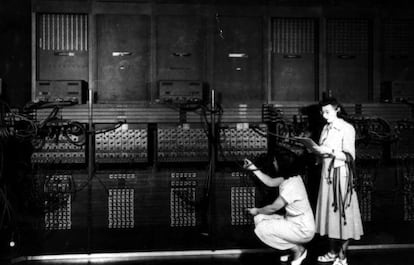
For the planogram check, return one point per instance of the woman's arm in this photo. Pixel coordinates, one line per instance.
(266, 179)
(348, 144)
(278, 204)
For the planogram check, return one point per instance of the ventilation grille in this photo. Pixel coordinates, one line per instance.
(398, 36)
(63, 32)
(293, 35)
(347, 36)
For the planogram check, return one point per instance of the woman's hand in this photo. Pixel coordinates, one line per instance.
(253, 211)
(249, 165)
(324, 150)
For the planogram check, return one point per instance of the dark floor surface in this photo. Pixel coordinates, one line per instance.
(390, 244)
(357, 257)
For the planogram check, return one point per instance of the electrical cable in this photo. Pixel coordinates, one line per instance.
(207, 130)
(75, 129)
(116, 126)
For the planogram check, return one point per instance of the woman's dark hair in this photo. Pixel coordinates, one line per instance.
(329, 101)
(289, 164)
(264, 163)
(334, 103)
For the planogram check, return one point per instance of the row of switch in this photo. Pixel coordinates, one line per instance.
(241, 199)
(58, 157)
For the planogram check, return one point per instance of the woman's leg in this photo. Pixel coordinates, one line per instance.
(343, 249)
(297, 251)
(333, 246)
(298, 254)
(332, 253)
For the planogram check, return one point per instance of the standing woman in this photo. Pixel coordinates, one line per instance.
(337, 212)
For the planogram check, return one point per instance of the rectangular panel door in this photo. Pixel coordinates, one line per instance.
(123, 56)
(238, 69)
(62, 46)
(397, 73)
(398, 49)
(293, 60)
(349, 59)
(180, 52)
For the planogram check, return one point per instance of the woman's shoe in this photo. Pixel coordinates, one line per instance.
(328, 257)
(339, 261)
(299, 260)
(284, 258)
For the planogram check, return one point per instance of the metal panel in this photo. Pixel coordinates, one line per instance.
(158, 199)
(65, 198)
(122, 57)
(179, 47)
(234, 192)
(241, 140)
(348, 59)
(114, 198)
(62, 46)
(182, 143)
(293, 59)
(398, 51)
(127, 144)
(238, 60)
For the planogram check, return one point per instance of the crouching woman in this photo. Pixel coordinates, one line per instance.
(296, 227)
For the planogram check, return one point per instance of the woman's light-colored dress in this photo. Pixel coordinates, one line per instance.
(340, 137)
(298, 224)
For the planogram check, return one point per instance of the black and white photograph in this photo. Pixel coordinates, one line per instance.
(210, 132)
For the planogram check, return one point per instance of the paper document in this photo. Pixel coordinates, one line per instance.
(308, 143)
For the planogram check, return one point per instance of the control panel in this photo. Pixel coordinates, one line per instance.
(238, 141)
(58, 204)
(121, 200)
(408, 191)
(403, 146)
(182, 92)
(241, 199)
(182, 143)
(59, 151)
(365, 185)
(183, 199)
(56, 91)
(126, 144)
